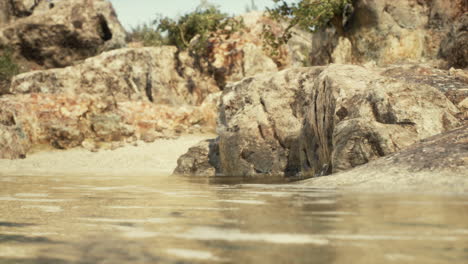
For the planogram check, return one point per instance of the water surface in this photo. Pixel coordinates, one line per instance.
(180, 220)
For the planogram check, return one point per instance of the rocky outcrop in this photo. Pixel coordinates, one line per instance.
(201, 160)
(453, 83)
(59, 33)
(158, 75)
(89, 121)
(439, 162)
(352, 121)
(394, 31)
(119, 96)
(306, 122)
(260, 120)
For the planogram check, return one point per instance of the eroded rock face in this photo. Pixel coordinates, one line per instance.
(436, 162)
(87, 120)
(158, 75)
(352, 120)
(59, 33)
(260, 119)
(306, 122)
(394, 31)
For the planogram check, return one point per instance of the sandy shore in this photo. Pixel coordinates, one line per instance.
(157, 158)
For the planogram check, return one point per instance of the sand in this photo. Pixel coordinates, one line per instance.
(157, 158)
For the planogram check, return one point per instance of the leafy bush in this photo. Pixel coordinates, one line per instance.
(308, 15)
(146, 34)
(198, 25)
(8, 67)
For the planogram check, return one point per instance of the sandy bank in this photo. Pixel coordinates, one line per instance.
(157, 158)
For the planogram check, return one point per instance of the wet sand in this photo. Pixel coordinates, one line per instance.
(157, 158)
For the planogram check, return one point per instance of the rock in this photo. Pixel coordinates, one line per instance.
(259, 119)
(63, 137)
(463, 106)
(304, 122)
(14, 9)
(354, 120)
(60, 33)
(393, 32)
(200, 160)
(157, 75)
(67, 121)
(109, 127)
(14, 143)
(436, 163)
(453, 83)
(454, 46)
(234, 56)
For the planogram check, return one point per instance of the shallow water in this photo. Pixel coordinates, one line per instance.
(179, 220)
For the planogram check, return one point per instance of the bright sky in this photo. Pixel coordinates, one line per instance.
(134, 12)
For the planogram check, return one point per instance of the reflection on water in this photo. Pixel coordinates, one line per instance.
(179, 220)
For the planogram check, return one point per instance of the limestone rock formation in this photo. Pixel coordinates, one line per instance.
(357, 115)
(305, 122)
(260, 120)
(437, 162)
(394, 31)
(119, 96)
(200, 160)
(65, 121)
(158, 75)
(59, 33)
(453, 83)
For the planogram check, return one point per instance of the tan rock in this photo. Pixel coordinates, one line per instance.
(156, 74)
(305, 122)
(58, 34)
(354, 120)
(394, 31)
(200, 160)
(65, 121)
(436, 164)
(14, 143)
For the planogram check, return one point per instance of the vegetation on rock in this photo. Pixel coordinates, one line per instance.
(189, 32)
(147, 35)
(308, 15)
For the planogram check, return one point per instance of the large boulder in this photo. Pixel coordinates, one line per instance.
(358, 115)
(158, 75)
(58, 33)
(305, 122)
(393, 31)
(260, 120)
(436, 164)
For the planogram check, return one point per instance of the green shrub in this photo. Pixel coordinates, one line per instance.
(146, 34)
(200, 23)
(8, 67)
(308, 15)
